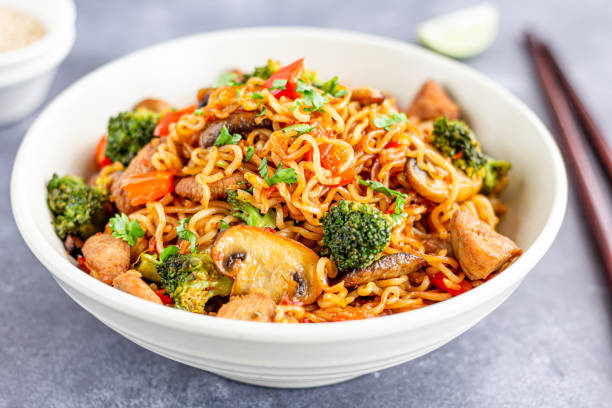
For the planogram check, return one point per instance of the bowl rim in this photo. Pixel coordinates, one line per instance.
(63, 270)
(48, 42)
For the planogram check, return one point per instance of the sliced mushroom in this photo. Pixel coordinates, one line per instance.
(367, 96)
(256, 306)
(131, 282)
(386, 267)
(437, 190)
(431, 102)
(239, 122)
(204, 96)
(479, 249)
(256, 258)
(106, 256)
(141, 163)
(154, 105)
(73, 245)
(188, 187)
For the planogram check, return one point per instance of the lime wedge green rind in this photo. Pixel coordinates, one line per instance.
(463, 33)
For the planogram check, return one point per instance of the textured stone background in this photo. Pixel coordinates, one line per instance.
(549, 345)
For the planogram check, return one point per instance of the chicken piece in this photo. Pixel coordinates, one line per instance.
(367, 96)
(188, 187)
(106, 256)
(386, 267)
(238, 122)
(478, 248)
(131, 282)
(140, 164)
(153, 105)
(255, 306)
(432, 102)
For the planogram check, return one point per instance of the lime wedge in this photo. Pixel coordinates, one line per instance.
(463, 33)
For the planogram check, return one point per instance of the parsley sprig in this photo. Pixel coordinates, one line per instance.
(226, 78)
(331, 87)
(311, 98)
(279, 84)
(127, 230)
(281, 175)
(400, 198)
(187, 235)
(226, 138)
(386, 121)
(300, 128)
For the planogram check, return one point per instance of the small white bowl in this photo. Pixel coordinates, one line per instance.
(26, 74)
(63, 140)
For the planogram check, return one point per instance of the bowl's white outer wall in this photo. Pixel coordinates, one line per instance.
(62, 139)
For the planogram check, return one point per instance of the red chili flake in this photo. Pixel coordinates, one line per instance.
(269, 229)
(166, 300)
(393, 145)
(457, 156)
(287, 301)
(270, 191)
(82, 265)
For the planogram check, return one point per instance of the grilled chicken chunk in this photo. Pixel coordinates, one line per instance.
(239, 122)
(131, 282)
(478, 248)
(140, 164)
(106, 256)
(386, 267)
(188, 187)
(256, 306)
(432, 102)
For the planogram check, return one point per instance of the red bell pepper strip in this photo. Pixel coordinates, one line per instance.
(438, 281)
(290, 73)
(163, 126)
(101, 158)
(166, 300)
(393, 145)
(146, 187)
(82, 264)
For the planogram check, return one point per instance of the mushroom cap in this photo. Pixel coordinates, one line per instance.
(258, 259)
(386, 267)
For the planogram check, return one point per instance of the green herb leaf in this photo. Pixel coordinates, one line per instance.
(256, 95)
(300, 128)
(386, 121)
(184, 234)
(311, 97)
(281, 175)
(331, 87)
(169, 250)
(249, 154)
(223, 225)
(127, 230)
(400, 198)
(225, 138)
(225, 78)
(198, 112)
(263, 112)
(279, 84)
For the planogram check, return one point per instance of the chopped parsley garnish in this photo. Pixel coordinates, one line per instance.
(311, 98)
(256, 95)
(264, 72)
(249, 154)
(279, 84)
(263, 112)
(281, 175)
(300, 128)
(400, 198)
(127, 230)
(169, 250)
(198, 112)
(331, 87)
(225, 78)
(223, 225)
(386, 121)
(225, 138)
(184, 234)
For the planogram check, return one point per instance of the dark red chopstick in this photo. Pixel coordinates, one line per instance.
(589, 192)
(591, 130)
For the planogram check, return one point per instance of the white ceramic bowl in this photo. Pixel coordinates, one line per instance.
(26, 74)
(64, 136)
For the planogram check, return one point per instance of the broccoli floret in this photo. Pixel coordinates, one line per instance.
(191, 280)
(454, 139)
(249, 213)
(354, 234)
(494, 175)
(78, 209)
(128, 132)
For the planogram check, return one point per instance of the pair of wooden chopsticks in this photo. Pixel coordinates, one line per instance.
(565, 105)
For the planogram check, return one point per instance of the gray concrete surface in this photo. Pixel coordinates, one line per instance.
(549, 345)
